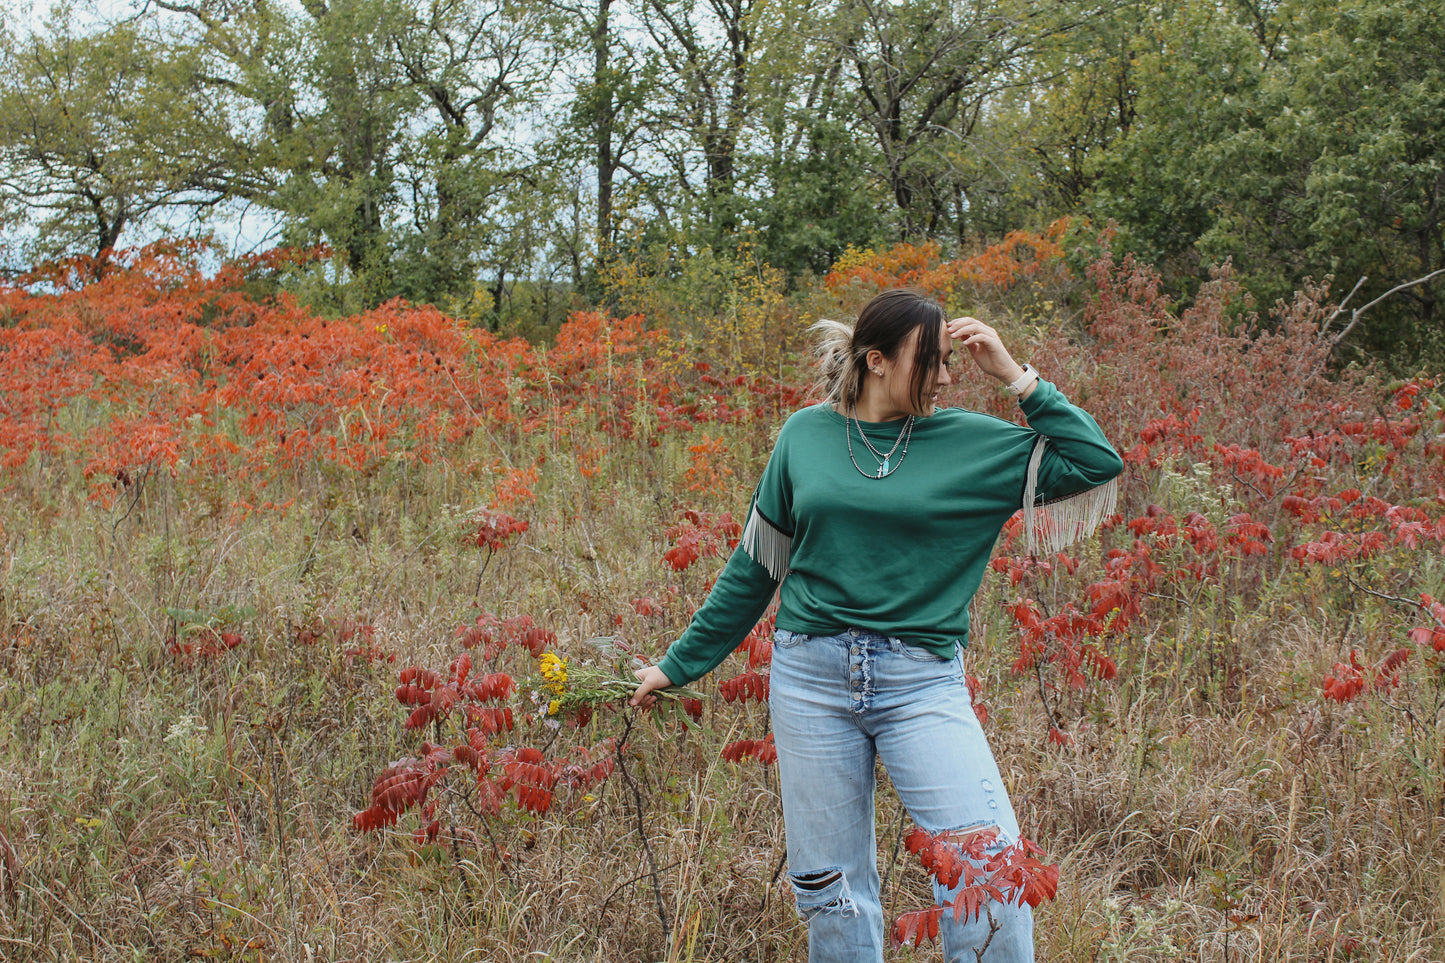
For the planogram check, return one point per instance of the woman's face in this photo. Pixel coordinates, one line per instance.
(897, 381)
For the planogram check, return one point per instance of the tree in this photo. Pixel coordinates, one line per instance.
(925, 71)
(1371, 83)
(103, 131)
(1198, 75)
(810, 169)
(385, 126)
(1297, 143)
(702, 53)
(1041, 139)
(603, 132)
(473, 65)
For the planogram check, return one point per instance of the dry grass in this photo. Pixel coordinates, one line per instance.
(1213, 807)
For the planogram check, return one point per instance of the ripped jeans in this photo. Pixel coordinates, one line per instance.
(840, 702)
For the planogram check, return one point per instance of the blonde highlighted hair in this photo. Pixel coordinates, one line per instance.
(838, 370)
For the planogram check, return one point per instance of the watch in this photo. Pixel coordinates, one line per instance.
(1020, 386)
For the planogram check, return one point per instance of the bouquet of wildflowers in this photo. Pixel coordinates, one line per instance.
(570, 685)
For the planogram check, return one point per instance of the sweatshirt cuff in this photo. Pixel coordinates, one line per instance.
(674, 671)
(1043, 393)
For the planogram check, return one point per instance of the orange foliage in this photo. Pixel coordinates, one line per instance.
(708, 465)
(166, 360)
(1019, 255)
(187, 370)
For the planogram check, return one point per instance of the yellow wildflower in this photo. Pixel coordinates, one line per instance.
(553, 707)
(554, 669)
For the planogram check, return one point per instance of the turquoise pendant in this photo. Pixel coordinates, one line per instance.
(883, 468)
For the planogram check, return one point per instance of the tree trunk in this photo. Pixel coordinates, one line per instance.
(606, 114)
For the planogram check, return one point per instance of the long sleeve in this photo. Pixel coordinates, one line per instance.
(1070, 483)
(742, 592)
(905, 553)
(737, 600)
(1077, 455)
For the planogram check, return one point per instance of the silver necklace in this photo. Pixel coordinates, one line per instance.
(885, 468)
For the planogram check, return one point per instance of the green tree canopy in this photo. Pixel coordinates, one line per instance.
(103, 130)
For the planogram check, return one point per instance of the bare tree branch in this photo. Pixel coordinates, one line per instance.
(1358, 313)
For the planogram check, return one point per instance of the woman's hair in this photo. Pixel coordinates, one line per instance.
(884, 324)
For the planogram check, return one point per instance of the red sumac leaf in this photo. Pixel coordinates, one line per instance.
(491, 720)
(492, 687)
(741, 688)
(763, 750)
(917, 840)
(917, 926)
(412, 695)
(1394, 660)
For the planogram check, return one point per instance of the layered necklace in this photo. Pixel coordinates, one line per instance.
(886, 466)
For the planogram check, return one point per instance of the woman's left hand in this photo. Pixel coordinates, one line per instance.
(650, 679)
(986, 349)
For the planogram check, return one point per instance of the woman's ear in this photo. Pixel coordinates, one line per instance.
(875, 361)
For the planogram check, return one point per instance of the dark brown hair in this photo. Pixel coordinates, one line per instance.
(884, 324)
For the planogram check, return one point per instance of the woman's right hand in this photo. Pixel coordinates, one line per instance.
(652, 679)
(986, 349)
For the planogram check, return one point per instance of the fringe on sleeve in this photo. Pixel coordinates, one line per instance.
(1055, 525)
(767, 545)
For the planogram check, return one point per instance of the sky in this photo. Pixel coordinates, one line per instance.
(21, 14)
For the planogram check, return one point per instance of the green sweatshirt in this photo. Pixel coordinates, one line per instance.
(901, 555)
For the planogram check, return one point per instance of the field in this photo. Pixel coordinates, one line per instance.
(276, 592)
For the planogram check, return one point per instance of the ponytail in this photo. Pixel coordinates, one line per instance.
(838, 366)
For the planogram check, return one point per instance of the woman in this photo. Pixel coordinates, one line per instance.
(876, 515)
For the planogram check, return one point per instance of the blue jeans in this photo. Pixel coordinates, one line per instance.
(840, 702)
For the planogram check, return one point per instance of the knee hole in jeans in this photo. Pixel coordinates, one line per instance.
(817, 881)
(1002, 840)
(825, 891)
